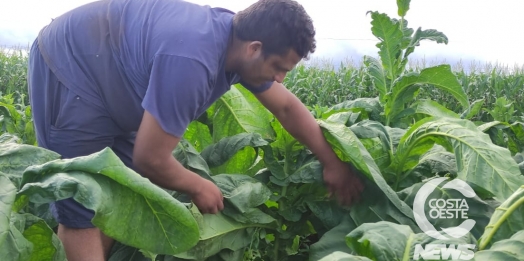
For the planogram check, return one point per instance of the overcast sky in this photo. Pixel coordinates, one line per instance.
(480, 31)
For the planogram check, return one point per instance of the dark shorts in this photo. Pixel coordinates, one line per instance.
(71, 126)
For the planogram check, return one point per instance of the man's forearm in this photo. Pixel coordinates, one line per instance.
(170, 174)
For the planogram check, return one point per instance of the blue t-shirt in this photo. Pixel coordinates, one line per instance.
(164, 56)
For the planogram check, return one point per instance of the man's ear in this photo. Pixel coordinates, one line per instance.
(254, 49)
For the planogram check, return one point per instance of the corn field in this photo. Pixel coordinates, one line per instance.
(320, 84)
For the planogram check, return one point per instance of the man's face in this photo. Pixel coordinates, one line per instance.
(258, 69)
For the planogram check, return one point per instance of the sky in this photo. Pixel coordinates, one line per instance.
(480, 32)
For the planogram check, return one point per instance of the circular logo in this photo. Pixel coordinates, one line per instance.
(441, 208)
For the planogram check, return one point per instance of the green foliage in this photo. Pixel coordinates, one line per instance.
(397, 125)
(13, 71)
(16, 119)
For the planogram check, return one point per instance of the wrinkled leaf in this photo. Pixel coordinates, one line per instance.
(238, 111)
(333, 241)
(234, 154)
(479, 161)
(102, 183)
(384, 241)
(507, 220)
(349, 149)
(388, 31)
(511, 249)
(242, 191)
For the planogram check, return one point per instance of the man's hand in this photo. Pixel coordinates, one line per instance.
(298, 121)
(152, 156)
(342, 182)
(207, 197)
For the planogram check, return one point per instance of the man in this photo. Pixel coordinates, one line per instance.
(132, 74)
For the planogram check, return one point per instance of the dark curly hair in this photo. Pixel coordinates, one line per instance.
(279, 24)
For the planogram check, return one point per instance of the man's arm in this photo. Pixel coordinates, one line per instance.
(299, 122)
(152, 156)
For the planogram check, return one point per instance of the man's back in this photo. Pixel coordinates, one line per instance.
(115, 50)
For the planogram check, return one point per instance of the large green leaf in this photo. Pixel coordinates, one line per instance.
(479, 161)
(198, 135)
(121, 252)
(439, 76)
(13, 245)
(506, 221)
(433, 108)
(473, 109)
(46, 245)
(403, 7)
(128, 207)
(379, 201)
(234, 154)
(242, 191)
(333, 241)
(370, 105)
(389, 33)
(419, 35)
(511, 249)
(436, 161)
(189, 157)
(15, 158)
(477, 209)
(219, 232)
(385, 241)
(239, 111)
(376, 72)
(347, 118)
(375, 137)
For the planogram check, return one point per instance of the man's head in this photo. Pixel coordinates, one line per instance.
(276, 35)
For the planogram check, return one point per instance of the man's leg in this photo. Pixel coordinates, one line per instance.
(71, 126)
(85, 244)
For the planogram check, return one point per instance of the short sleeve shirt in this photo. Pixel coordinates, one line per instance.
(164, 56)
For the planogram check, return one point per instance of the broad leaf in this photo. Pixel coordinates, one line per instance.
(189, 157)
(420, 35)
(403, 7)
(375, 137)
(436, 161)
(384, 241)
(219, 232)
(242, 191)
(507, 220)
(479, 161)
(347, 118)
(433, 108)
(349, 149)
(102, 183)
(439, 76)
(477, 209)
(15, 158)
(376, 72)
(198, 135)
(13, 245)
(46, 245)
(511, 249)
(238, 111)
(370, 105)
(333, 241)
(473, 109)
(234, 154)
(389, 33)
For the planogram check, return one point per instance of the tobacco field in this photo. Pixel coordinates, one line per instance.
(397, 126)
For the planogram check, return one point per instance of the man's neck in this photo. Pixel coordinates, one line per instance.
(232, 56)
